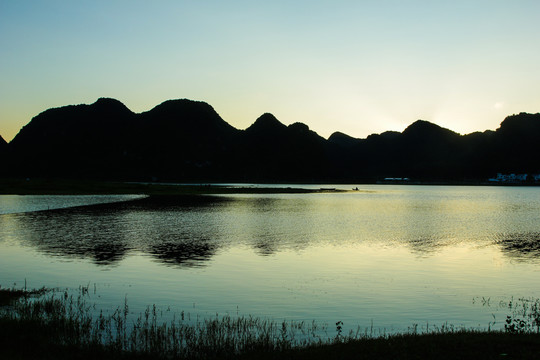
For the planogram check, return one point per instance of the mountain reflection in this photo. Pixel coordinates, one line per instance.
(520, 246)
(183, 254)
(75, 233)
(107, 233)
(187, 231)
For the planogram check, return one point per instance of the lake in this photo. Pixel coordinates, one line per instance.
(386, 256)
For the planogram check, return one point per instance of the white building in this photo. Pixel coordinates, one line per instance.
(512, 178)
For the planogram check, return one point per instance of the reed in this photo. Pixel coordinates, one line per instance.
(70, 321)
(59, 324)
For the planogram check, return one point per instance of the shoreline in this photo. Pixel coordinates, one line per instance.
(17, 186)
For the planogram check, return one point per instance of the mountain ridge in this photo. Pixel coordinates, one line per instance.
(186, 140)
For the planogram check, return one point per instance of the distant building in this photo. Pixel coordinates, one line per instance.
(513, 178)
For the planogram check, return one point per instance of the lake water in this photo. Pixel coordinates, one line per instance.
(388, 255)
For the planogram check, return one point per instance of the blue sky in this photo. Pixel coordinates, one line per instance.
(358, 67)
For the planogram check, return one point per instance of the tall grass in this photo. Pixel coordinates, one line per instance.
(69, 320)
(60, 319)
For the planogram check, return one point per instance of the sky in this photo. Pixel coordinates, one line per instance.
(358, 67)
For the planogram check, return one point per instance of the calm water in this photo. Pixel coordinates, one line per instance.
(391, 255)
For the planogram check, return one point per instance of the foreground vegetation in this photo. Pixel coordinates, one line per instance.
(56, 325)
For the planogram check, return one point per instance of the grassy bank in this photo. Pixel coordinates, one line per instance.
(60, 325)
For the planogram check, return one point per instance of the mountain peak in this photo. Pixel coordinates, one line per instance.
(343, 139)
(338, 136)
(107, 101)
(299, 127)
(421, 124)
(110, 105)
(522, 123)
(426, 128)
(183, 105)
(187, 113)
(266, 122)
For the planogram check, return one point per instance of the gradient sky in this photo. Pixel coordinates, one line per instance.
(359, 67)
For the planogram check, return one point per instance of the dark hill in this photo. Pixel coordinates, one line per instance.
(187, 116)
(521, 125)
(343, 140)
(429, 150)
(71, 124)
(186, 140)
(266, 126)
(422, 129)
(77, 140)
(105, 139)
(273, 151)
(517, 143)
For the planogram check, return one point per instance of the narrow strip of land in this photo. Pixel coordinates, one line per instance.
(88, 187)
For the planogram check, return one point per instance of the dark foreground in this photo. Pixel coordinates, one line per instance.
(56, 325)
(29, 341)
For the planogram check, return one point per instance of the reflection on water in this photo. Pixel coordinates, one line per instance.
(183, 253)
(394, 254)
(11, 204)
(189, 230)
(164, 227)
(92, 232)
(521, 246)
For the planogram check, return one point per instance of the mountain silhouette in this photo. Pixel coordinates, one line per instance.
(3, 145)
(178, 138)
(267, 126)
(276, 152)
(77, 139)
(343, 140)
(3, 153)
(186, 140)
(429, 150)
(518, 136)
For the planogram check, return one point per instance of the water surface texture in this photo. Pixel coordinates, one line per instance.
(391, 256)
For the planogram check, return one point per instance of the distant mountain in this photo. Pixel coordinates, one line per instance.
(267, 126)
(517, 142)
(426, 151)
(185, 140)
(276, 152)
(343, 140)
(176, 139)
(75, 139)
